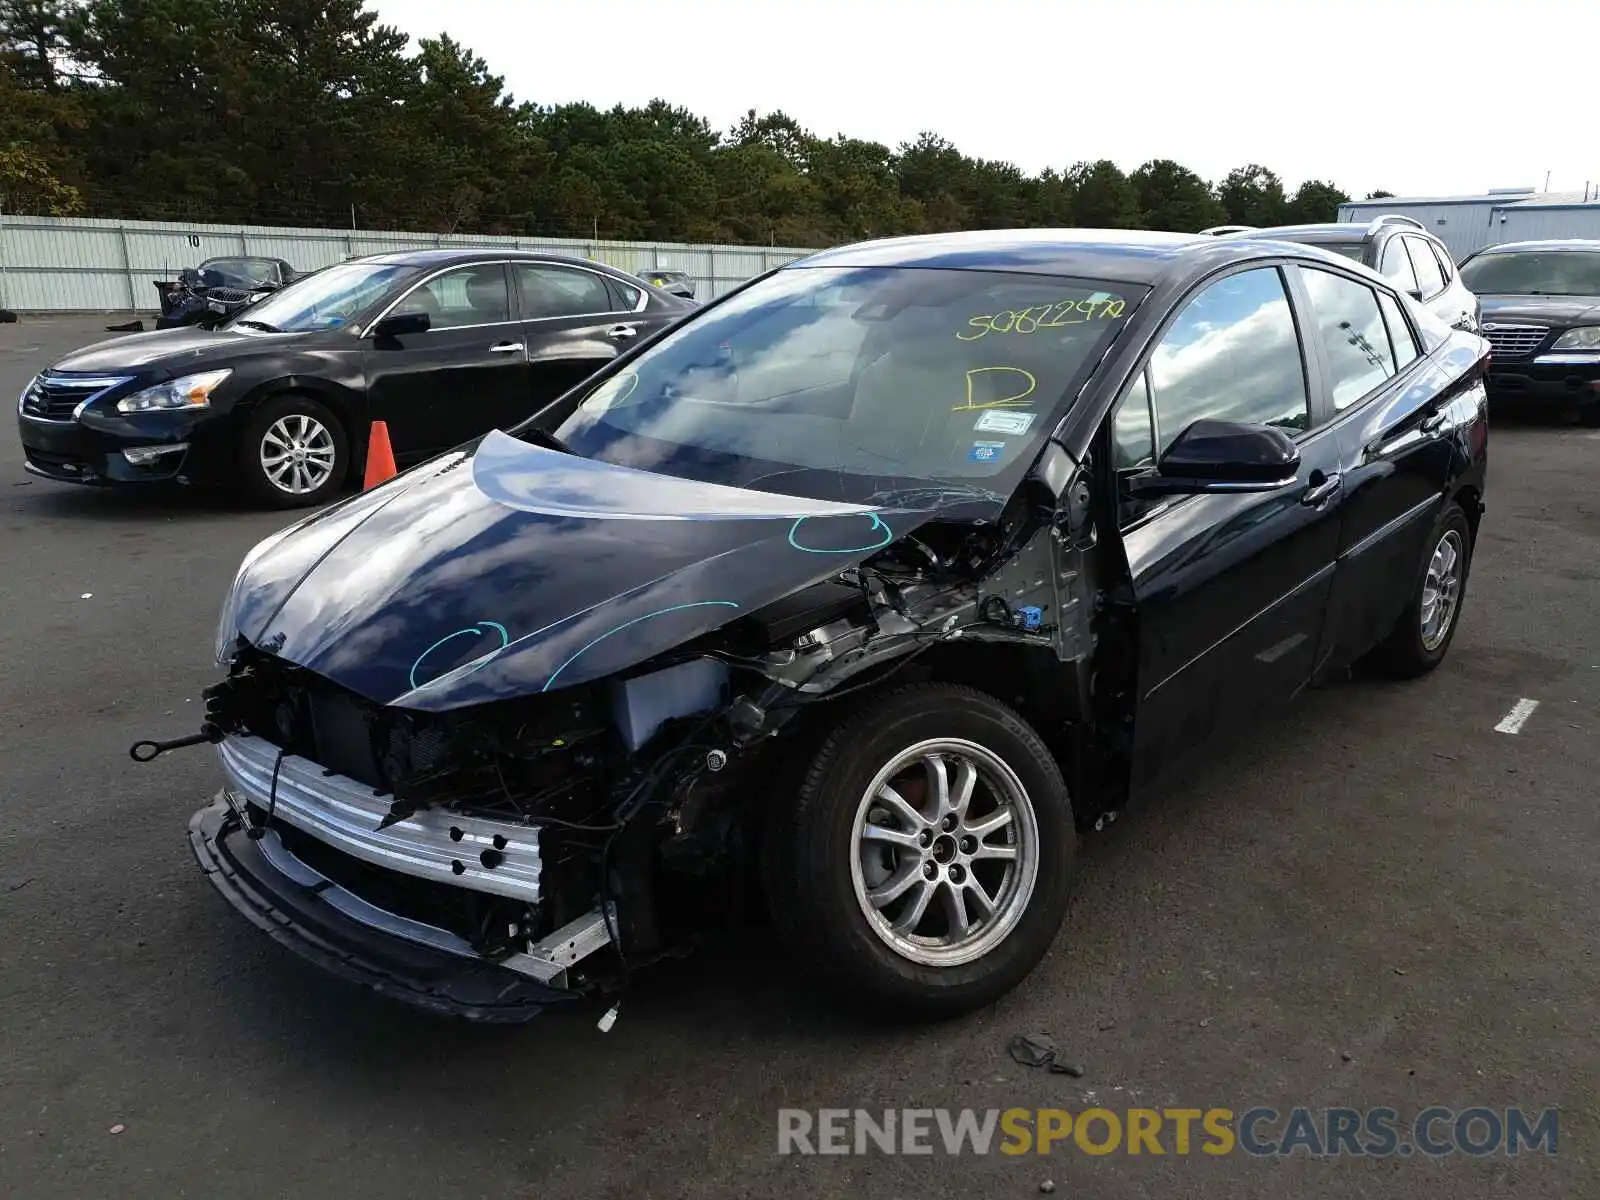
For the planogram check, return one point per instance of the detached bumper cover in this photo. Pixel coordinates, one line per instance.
(312, 917)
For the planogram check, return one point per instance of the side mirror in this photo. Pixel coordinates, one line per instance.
(401, 324)
(1221, 456)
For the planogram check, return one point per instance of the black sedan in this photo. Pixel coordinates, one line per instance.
(441, 345)
(867, 585)
(1541, 313)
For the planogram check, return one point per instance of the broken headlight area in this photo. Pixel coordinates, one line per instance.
(502, 825)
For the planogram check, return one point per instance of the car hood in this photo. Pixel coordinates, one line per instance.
(1546, 310)
(178, 350)
(505, 569)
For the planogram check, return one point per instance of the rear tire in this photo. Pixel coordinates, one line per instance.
(294, 453)
(1425, 630)
(1003, 857)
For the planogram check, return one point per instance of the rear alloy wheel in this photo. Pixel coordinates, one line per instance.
(295, 453)
(1428, 625)
(926, 862)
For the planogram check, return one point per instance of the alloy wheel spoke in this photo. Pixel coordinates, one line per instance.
(984, 902)
(955, 908)
(961, 793)
(897, 885)
(1000, 853)
(917, 908)
(938, 783)
(884, 835)
(984, 826)
(900, 807)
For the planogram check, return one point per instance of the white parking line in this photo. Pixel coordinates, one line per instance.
(1514, 720)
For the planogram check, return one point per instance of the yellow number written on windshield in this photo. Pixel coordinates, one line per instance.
(1042, 316)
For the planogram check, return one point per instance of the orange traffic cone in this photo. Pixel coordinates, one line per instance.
(380, 457)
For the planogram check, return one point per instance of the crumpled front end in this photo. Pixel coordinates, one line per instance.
(517, 759)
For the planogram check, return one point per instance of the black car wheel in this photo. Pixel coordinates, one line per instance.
(295, 453)
(925, 861)
(1425, 630)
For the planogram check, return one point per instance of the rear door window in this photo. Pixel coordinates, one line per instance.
(1401, 337)
(1396, 264)
(1442, 257)
(548, 290)
(1350, 328)
(1429, 278)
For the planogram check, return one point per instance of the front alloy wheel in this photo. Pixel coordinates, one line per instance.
(294, 453)
(298, 454)
(946, 852)
(924, 863)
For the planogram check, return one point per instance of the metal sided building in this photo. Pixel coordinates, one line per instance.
(1469, 223)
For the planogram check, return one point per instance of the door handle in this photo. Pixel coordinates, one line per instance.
(506, 348)
(1432, 423)
(1318, 494)
(622, 331)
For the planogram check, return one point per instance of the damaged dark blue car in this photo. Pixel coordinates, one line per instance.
(847, 604)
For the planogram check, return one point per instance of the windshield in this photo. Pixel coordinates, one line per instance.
(1355, 250)
(829, 381)
(329, 298)
(238, 272)
(1534, 273)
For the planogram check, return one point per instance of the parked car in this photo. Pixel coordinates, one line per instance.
(676, 282)
(1394, 246)
(441, 345)
(871, 582)
(1541, 310)
(219, 288)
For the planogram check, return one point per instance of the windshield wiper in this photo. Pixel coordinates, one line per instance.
(543, 437)
(251, 324)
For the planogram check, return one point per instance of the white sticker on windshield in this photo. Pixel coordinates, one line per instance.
(996, 421)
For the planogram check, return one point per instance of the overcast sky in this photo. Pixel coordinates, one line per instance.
(1412, 96)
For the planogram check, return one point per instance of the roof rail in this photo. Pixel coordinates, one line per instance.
(1224, 230)
(1394, 219)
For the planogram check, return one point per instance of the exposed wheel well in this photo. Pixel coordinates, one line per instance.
(1471, 502)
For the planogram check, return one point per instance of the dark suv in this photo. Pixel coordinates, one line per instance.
(1394, 246)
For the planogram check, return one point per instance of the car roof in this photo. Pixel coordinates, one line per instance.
(433, 258)
(1323, 231)
(1125, 255)
(1589, 244)
(1134, 255)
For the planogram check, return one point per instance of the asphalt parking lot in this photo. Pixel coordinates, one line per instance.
(1380, 900)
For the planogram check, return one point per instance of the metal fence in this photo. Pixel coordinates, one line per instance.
(65, 264)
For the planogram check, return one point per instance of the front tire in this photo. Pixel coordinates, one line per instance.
(294, 453)
(925, 862)
(1425, 630)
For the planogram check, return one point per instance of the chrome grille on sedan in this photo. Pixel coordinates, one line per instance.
(1514, 341)
(58, 397)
